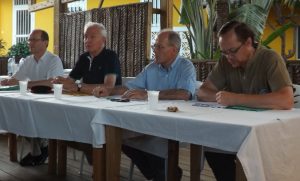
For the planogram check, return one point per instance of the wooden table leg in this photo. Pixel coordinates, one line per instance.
(52, 150)
(12, 146)
(239, 172)
(62, 158)
(113, 152)
(99, 164)
(173, 152)
(195, 162)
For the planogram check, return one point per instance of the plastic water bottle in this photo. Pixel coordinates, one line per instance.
(21, 62)
(9, 66)
(15, 66)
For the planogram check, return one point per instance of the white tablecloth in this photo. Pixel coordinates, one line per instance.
(267, 142)
(41, 115)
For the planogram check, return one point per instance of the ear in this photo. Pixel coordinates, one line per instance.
(249, 42)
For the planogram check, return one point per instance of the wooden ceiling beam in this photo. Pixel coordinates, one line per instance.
(33, 6)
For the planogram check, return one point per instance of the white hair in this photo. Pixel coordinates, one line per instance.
(100, 26)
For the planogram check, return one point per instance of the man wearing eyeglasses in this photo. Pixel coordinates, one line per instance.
(39, 69)
(247, 75)
(41, 66)
(174, 77)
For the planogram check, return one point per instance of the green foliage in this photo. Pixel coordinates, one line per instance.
(278, 32)
(199, 20)
(19, 50)
(2, 47)
(253, 15)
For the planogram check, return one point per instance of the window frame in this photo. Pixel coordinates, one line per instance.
(14, 23)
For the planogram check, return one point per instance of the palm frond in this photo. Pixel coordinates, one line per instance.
(253, 15)
(279, 32)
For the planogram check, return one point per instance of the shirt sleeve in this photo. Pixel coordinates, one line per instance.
(56, 68)
(277, 73)
(187, 80)
(139, 82)
(21, 73)
(113, 64)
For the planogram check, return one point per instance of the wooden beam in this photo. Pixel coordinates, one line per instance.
(67, 1)
(101, 3)
(41, 5)
(156, 11)
(148, 40)
(31, 2)
(58, 9)
(166, 18)
(44, 5)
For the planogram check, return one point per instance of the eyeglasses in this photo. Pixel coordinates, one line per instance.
(158, 47)
(33, 40)
(231, 51)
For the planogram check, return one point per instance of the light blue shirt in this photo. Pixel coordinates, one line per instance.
(180, 75)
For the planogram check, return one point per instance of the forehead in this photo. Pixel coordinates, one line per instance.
(162, 38)
(228, 39)
(92, 30)
(35, 34)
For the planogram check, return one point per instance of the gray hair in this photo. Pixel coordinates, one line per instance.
(100, 26)
(173, 38)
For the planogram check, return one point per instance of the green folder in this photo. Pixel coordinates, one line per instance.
(246, 108)
(9, 88)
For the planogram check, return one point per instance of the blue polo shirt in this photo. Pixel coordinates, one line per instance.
(180, 75)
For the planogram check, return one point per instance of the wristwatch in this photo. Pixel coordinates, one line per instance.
(79, 85)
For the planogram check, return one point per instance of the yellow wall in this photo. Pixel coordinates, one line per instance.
(276, 44)
(44, 20)
(6, 22)
(107, 3)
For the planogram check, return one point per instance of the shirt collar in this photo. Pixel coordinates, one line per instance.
(43, 57)
(174, 63)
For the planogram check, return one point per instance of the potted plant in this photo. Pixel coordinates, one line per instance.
(2, 47)
(199, 16)
(19, 50)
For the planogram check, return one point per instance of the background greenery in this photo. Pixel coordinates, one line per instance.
(19, 50)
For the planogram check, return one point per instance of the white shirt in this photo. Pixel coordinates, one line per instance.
(48, 66)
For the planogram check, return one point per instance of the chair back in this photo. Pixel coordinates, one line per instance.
(297, 95)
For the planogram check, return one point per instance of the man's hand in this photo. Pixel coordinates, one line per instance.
(68, 83)
(102, 91)
(135, 94)
(11, 81)
(226, 98)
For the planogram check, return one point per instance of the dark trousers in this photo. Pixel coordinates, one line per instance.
(222, 165)
(151, 166)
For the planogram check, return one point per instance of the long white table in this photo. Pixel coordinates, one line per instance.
(267, 142)
(43, 116)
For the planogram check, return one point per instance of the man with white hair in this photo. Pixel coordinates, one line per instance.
(97, 66)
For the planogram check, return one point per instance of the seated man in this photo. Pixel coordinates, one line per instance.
(170, 74)
(247, 75)
(97, 66)
(39, 68)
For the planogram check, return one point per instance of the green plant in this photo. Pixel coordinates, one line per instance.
(2, 47)
(19, 50)
(199, 17)
(199, 20)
